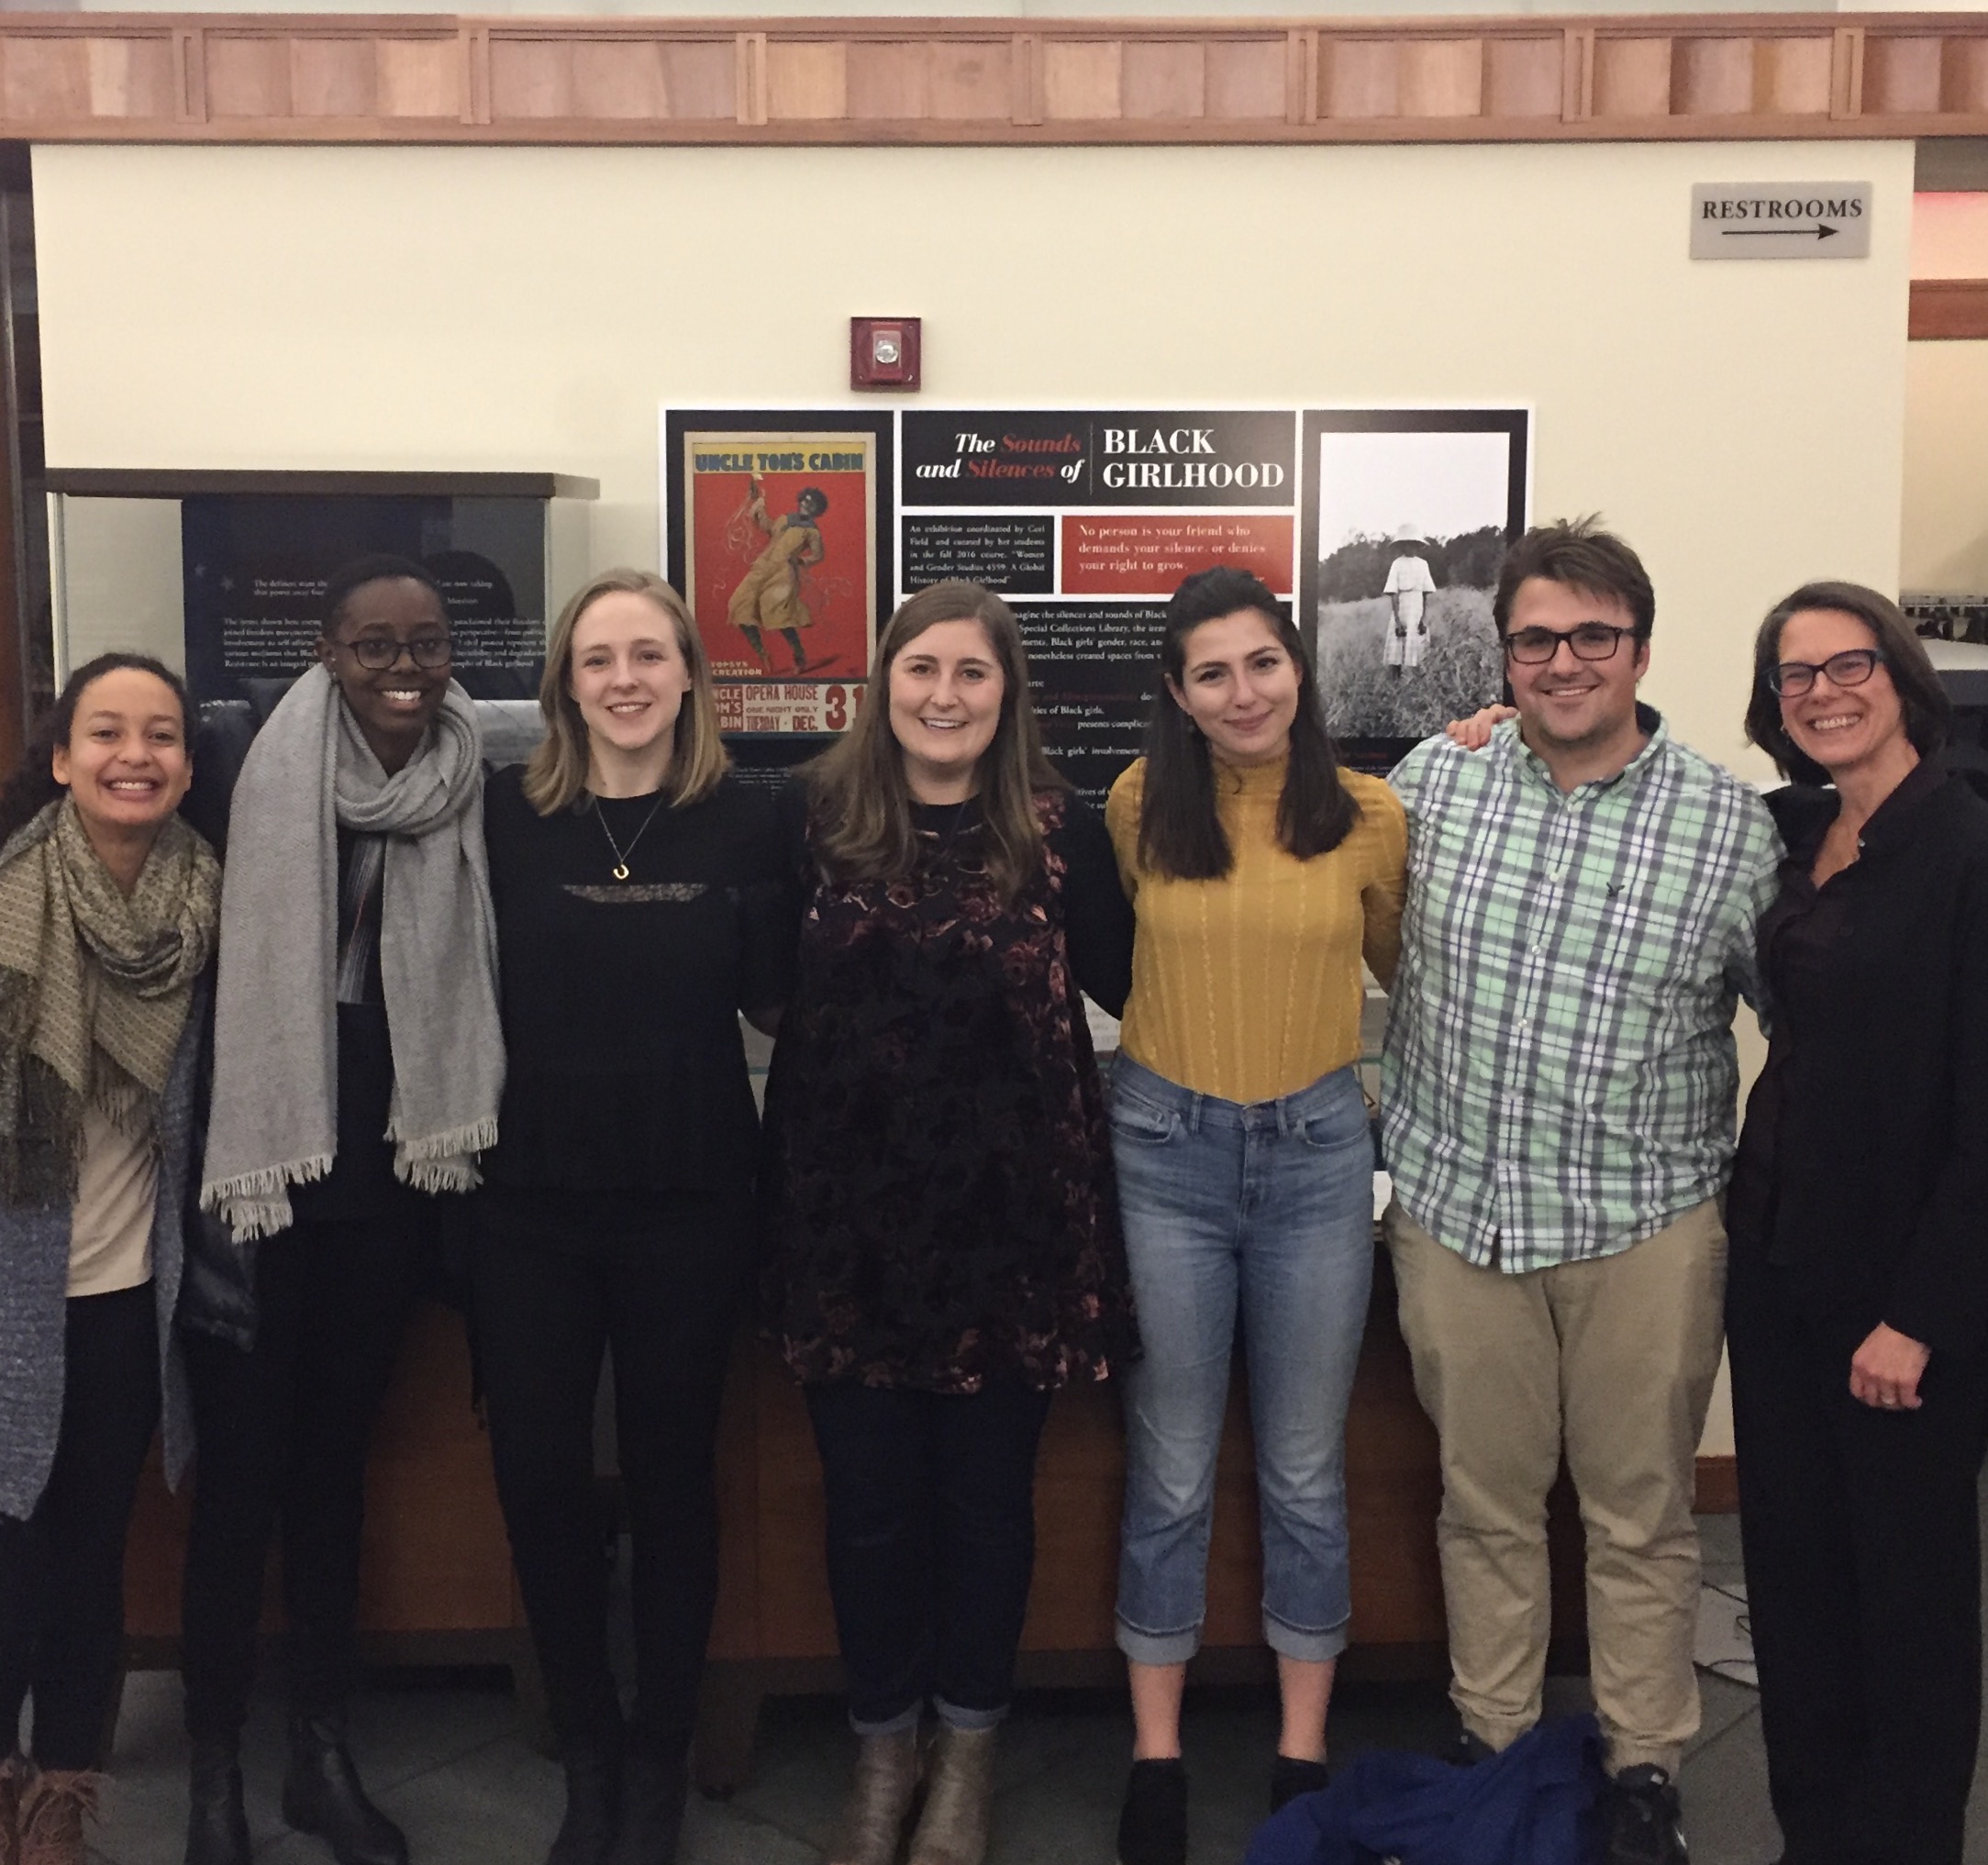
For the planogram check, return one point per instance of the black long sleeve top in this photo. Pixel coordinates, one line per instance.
(1863, 1163)
(620, 999)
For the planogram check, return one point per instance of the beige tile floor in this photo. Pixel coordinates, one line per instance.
(446, 1756)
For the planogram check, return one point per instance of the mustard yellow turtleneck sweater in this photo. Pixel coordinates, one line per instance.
(1248, 987)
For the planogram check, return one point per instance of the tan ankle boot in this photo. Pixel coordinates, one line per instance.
(52, 1812)
(958, 1800)
(14, 1775)
(879, 1798)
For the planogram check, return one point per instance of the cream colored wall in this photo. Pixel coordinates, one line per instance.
(1946, 476)
(530, 309)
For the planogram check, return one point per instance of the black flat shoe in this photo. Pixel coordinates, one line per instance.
(1290, 1777)
(1152, 1824)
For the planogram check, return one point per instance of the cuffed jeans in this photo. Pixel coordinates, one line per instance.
(1268, 1207)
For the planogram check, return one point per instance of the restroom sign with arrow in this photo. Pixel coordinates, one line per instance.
(1780, 221)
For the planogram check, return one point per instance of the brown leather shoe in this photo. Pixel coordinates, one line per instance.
(52, 1812)
(14, 1775)
(879, 1799)
(953, 1828)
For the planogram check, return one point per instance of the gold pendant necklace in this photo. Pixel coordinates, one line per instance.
(620, 870)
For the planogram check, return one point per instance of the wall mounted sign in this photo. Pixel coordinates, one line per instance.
(1086, 520)
(1780, 221)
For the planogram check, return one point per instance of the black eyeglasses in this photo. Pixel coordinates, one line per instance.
(1852, 667)
(378, 652)
(1590, 641)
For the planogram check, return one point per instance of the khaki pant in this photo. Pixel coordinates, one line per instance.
(1612, 1361)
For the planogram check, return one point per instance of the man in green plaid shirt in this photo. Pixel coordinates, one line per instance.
(1558, 1087)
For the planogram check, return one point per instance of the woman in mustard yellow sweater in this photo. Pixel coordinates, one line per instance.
(1261, 874)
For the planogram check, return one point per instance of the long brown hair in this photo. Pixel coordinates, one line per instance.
(558, 771)
(859, 784)
(1181, 834)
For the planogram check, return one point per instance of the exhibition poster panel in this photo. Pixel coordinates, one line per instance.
(777, 529)
(1086, 521)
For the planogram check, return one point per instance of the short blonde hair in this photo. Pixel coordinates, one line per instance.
(558, 771)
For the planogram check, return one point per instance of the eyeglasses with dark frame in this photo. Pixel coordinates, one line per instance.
(1590, 641)
(376, 653)
(1852, 667)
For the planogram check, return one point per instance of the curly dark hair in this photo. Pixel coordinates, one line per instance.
(32, 787)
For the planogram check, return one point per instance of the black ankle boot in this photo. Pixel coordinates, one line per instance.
(321, 1794)
(586, 1836)
(216, 1827)
(652, 1791)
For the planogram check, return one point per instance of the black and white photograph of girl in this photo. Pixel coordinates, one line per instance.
(1407, 515)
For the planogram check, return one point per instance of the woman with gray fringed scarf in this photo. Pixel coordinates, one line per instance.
(107, 910)
(357, 1066)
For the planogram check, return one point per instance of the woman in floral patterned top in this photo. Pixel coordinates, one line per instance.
(943, 1227)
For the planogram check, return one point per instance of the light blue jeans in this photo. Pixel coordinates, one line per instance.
(1269, 1208)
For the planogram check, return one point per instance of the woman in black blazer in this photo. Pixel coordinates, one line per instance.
(1858, 1294)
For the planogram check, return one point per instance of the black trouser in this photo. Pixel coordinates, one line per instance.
(1861, 1529)
(550, 1292)
(61, 1572)
(931, 1544)
(283, 1433)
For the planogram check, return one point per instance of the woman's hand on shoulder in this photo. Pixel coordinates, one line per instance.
(1474, 733)
(1886, 1369)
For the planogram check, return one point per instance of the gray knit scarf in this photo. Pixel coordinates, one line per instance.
(61, 912)
(275, 1120)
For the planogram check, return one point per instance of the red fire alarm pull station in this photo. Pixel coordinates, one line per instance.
(883, 353)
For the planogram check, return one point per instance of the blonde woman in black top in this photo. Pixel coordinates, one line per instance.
(640, 906)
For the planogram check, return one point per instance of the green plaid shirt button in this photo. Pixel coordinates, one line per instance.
(1559, 1076)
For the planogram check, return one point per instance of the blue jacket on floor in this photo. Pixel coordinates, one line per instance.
(1529, 1805)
